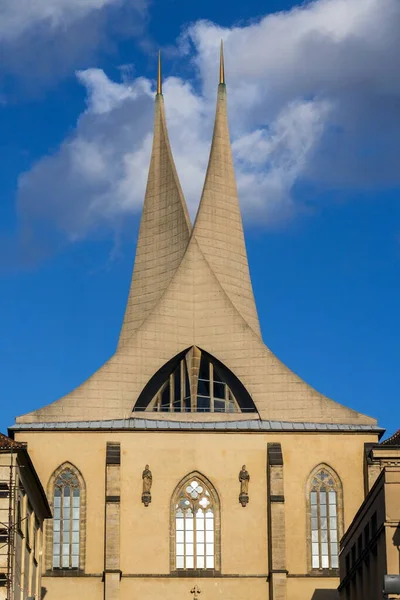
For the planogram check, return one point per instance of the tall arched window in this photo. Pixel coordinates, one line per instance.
(325, 514)
(195, 518)
(65, 535)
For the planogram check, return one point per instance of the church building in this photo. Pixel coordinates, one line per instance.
(194, 464)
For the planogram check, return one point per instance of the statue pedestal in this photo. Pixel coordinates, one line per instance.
(243, 499)
(146, 498)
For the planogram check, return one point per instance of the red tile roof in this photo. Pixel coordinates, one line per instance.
(7, 443)
(394, 440)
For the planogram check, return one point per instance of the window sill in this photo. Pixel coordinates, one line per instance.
(63, 573)
(324, 573)
(196, 573)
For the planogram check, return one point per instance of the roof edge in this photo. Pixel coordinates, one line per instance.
(142, 424)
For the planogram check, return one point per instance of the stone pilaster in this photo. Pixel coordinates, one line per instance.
(372, 469)
(112, 572)
(277, 573)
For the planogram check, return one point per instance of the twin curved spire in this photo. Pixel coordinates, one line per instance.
(166, 231)
(191, 296)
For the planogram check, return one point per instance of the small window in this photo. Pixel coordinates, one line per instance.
(353, 556)
(19, 516)
(4, 490)
(366, 535)
(28, 522)
(3, 537)
(359, 546)
(36, 533)
(374, 524)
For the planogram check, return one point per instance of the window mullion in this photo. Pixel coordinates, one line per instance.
(183, 383)
(194, 537)
(62, 527)
(205, 540)
(328, 521)
(171, 392)
(184, 539)
(211, 373)
(70, 525)
(319, 528)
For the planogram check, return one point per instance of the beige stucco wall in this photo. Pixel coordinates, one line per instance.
(363, 563)
(145, 532)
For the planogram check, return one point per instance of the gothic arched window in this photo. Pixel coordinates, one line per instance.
(65, 536)
(195, 517)
(325, 504)
(194, 381)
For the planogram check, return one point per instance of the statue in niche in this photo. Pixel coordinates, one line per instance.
(244, 479)
(147, 481)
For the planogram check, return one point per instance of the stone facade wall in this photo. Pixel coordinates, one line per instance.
(144, 537)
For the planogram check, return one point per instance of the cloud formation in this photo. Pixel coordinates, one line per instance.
(314, 98)
(21, 15)
(43, 40)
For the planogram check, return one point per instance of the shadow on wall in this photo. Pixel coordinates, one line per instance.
(325, 595)
(396, 541)
(43, 592)
(396, 536)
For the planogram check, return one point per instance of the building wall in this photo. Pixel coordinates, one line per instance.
(145, 532)
(25, 535)
(371, 546)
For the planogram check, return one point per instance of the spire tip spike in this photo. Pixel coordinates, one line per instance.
(159, 78)
(221, 65)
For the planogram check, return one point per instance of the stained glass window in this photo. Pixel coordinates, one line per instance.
(324, 520)
(195, 528)
(66, 520)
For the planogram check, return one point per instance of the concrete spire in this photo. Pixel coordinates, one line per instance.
(191, 292)
(218, 227)
(164, 228)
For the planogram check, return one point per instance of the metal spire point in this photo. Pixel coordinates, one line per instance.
(221, 65)
(159, 79)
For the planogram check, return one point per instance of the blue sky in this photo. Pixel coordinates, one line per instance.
(314, 98)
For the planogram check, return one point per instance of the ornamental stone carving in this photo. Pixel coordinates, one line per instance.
(244, 479)
(147, 482)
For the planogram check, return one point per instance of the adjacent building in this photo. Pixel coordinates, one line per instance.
(23, 509)
(370, 548)
(194, 463)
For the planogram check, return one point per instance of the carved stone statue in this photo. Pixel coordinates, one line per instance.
(244, 479)
(147, 481)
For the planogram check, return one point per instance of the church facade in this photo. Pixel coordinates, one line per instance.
(193, 463)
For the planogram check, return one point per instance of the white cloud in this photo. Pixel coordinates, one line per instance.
(43, 40)
(17, 16)
(314, 97)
